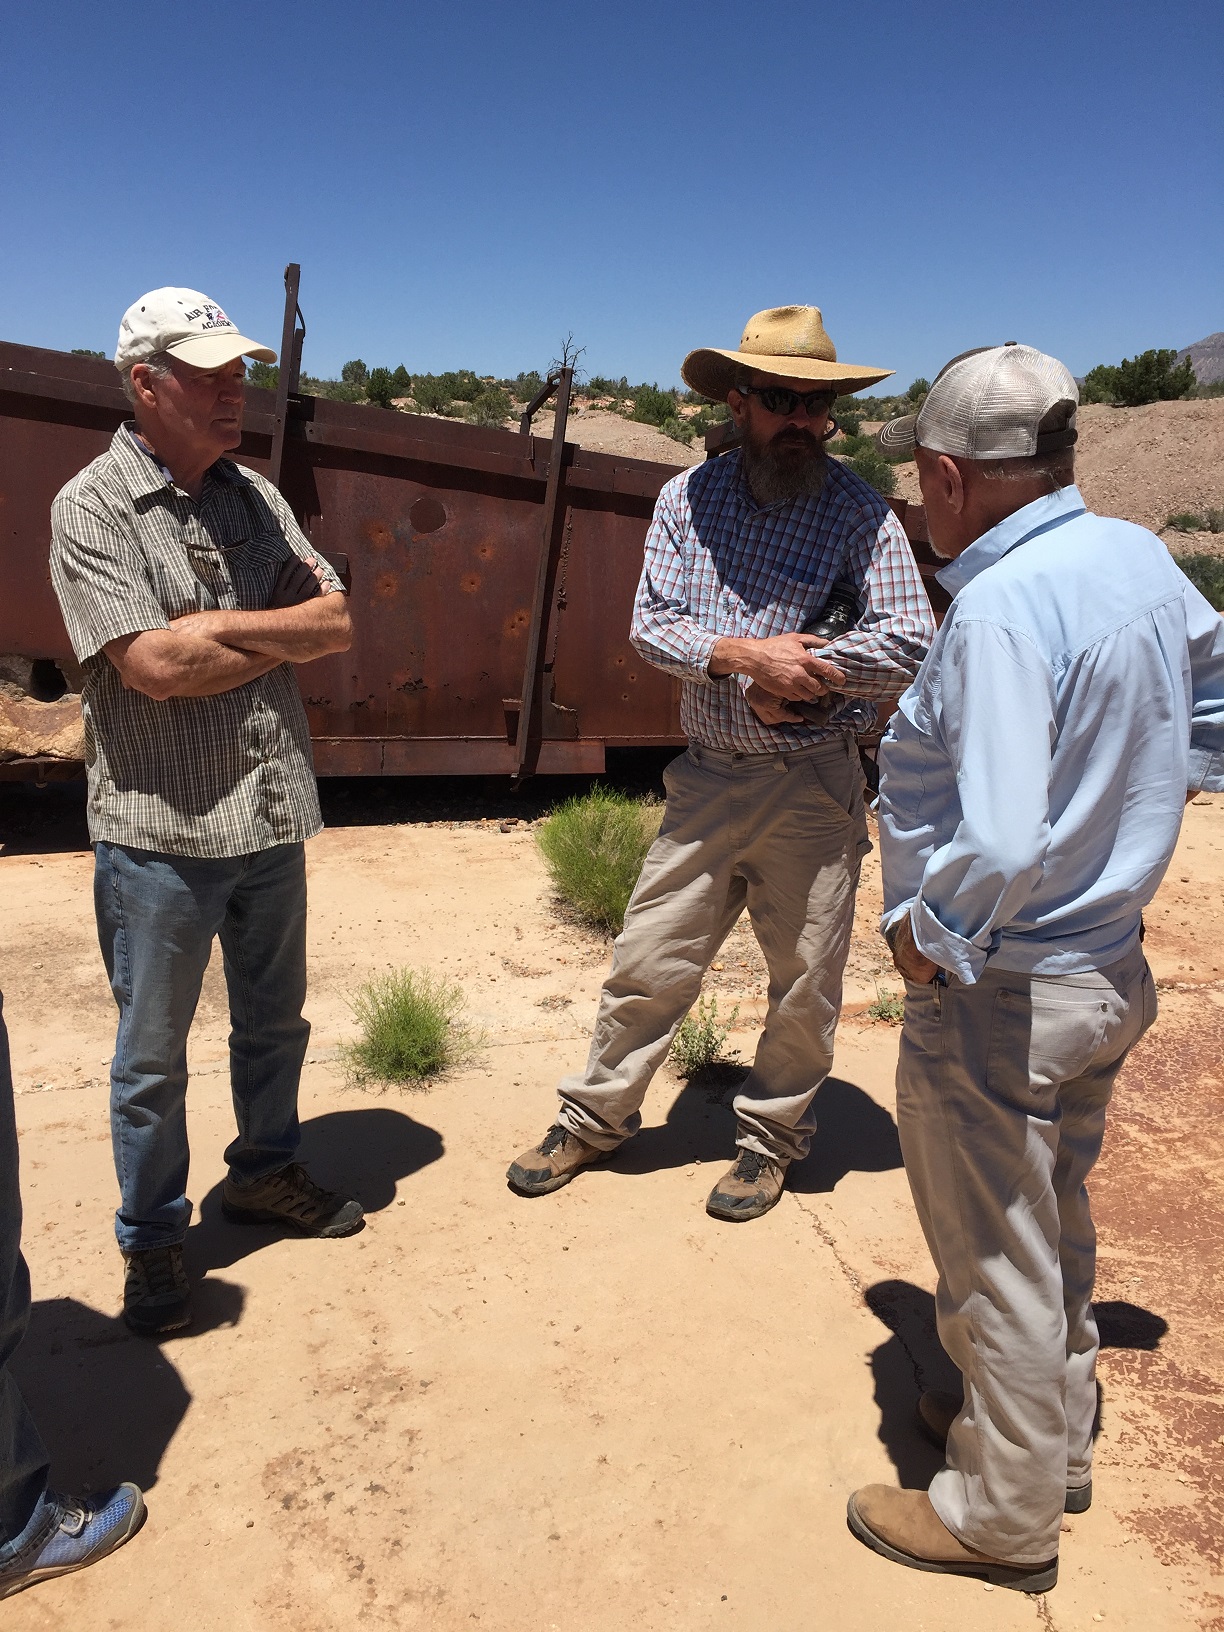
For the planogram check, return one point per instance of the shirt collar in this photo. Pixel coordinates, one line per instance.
(144, 470)
(1022, 524)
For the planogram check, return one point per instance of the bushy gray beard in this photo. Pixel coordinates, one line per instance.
(791, 464)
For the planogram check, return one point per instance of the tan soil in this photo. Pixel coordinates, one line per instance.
(601, 1409)
(1144, 464)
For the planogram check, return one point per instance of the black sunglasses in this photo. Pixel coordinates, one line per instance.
(780, 399)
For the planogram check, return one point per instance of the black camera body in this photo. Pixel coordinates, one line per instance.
(839, 613)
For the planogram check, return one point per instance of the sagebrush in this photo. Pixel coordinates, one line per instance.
(411, 1027)
(594, 847)
(701, 1039)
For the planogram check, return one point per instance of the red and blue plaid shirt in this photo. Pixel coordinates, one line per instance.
(719, 564)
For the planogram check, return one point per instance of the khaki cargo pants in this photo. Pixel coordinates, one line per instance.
(783, 835)
(1002, 1088)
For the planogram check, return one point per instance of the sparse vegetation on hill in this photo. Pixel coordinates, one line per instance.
(1152, 376)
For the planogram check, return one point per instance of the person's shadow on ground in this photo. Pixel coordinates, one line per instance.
(853, 1133)
(108, 1403)
(363, 1152)
(913, 1359)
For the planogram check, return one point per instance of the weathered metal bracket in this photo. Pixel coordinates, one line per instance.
(293, 333)
(550, 545)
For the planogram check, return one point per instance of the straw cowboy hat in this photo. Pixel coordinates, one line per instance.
(789, 341)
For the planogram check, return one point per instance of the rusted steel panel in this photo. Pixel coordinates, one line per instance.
(442, 523)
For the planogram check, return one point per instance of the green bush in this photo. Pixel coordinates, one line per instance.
(411, 1027)
(1184, 521)
(699, 1042)
(849, 414)
(652, 406)
(680, 430)
(888, 1006)
(491, 407)
(84, 351)
(593, 847)
(402, 381)
(380, 387)
(524, 386)
(1153, 376)
(874, 469)
(1206, 573)
(265, 375)
(354, 373)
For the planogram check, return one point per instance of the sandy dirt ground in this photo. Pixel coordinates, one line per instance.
(600, 1409)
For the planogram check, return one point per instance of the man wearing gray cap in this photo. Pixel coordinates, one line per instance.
(1033, 782)
(188, 591)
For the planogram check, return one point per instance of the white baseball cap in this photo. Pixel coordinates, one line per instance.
(186, 324)
(996, 402)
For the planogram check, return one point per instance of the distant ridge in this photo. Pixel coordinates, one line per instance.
(1208, 358)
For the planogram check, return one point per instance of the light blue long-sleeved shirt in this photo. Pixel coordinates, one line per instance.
(1035, 773)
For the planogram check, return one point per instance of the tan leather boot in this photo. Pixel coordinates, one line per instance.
(934, 1415)
(747, 1189)
(553, 1162)
(901, 1525)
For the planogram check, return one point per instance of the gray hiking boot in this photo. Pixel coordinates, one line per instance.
(156, 1293)
(553, 1162)
(748, 1188)
(290, 1196)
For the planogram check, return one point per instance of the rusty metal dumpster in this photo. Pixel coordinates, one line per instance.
(492, 573)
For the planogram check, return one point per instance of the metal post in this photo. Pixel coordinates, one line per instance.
(290, 363)
(552, 493)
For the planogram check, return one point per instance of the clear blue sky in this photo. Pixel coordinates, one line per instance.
(464, 184)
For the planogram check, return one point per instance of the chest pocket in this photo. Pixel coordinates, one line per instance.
(240, 553)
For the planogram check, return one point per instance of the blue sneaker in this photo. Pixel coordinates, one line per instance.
(89, 1527)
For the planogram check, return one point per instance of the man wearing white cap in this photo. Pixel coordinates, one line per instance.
(1032, 788)
(765, 810)
(188, 590)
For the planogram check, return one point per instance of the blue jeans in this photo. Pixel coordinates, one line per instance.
(157, 915)
(26, 1512)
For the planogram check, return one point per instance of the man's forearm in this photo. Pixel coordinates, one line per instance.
(288, 634)
(162, 663)
(220, 669)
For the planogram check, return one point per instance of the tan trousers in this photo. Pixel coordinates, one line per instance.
(1001, 1095)
(784, 835)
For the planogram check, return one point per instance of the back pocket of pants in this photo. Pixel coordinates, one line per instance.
(1037, 1043)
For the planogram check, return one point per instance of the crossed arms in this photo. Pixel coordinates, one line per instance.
(206, 653)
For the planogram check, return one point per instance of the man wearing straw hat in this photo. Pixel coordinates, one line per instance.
(765, 809)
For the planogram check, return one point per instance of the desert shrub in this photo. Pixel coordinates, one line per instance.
(333, 390)
(1206, 573)
(402, 381)
(701, 1038)
(411, 1025)
(265, 375)
(354, 373)
(652, 406)
(849, 414)
(680, 430)
(380, 387)
(599, 385)
(491, 407)
(888, 1006)
(524, 386)
(593, 847)
(1184, 521)
(431, 393)
(1153, 376)
(916, 392)
(874, 469)
(1213, 388)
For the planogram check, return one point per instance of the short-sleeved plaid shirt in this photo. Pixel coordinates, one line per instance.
(719, 564)
(130, 551)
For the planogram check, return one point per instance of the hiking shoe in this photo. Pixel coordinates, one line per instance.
(156, 1292)
(934, 1415)
(88, 1528)
(290, 1196)
(748, 1188)
(901, 1525)
(553, 1162)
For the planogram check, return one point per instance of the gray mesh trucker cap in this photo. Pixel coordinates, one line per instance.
(996, 402)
